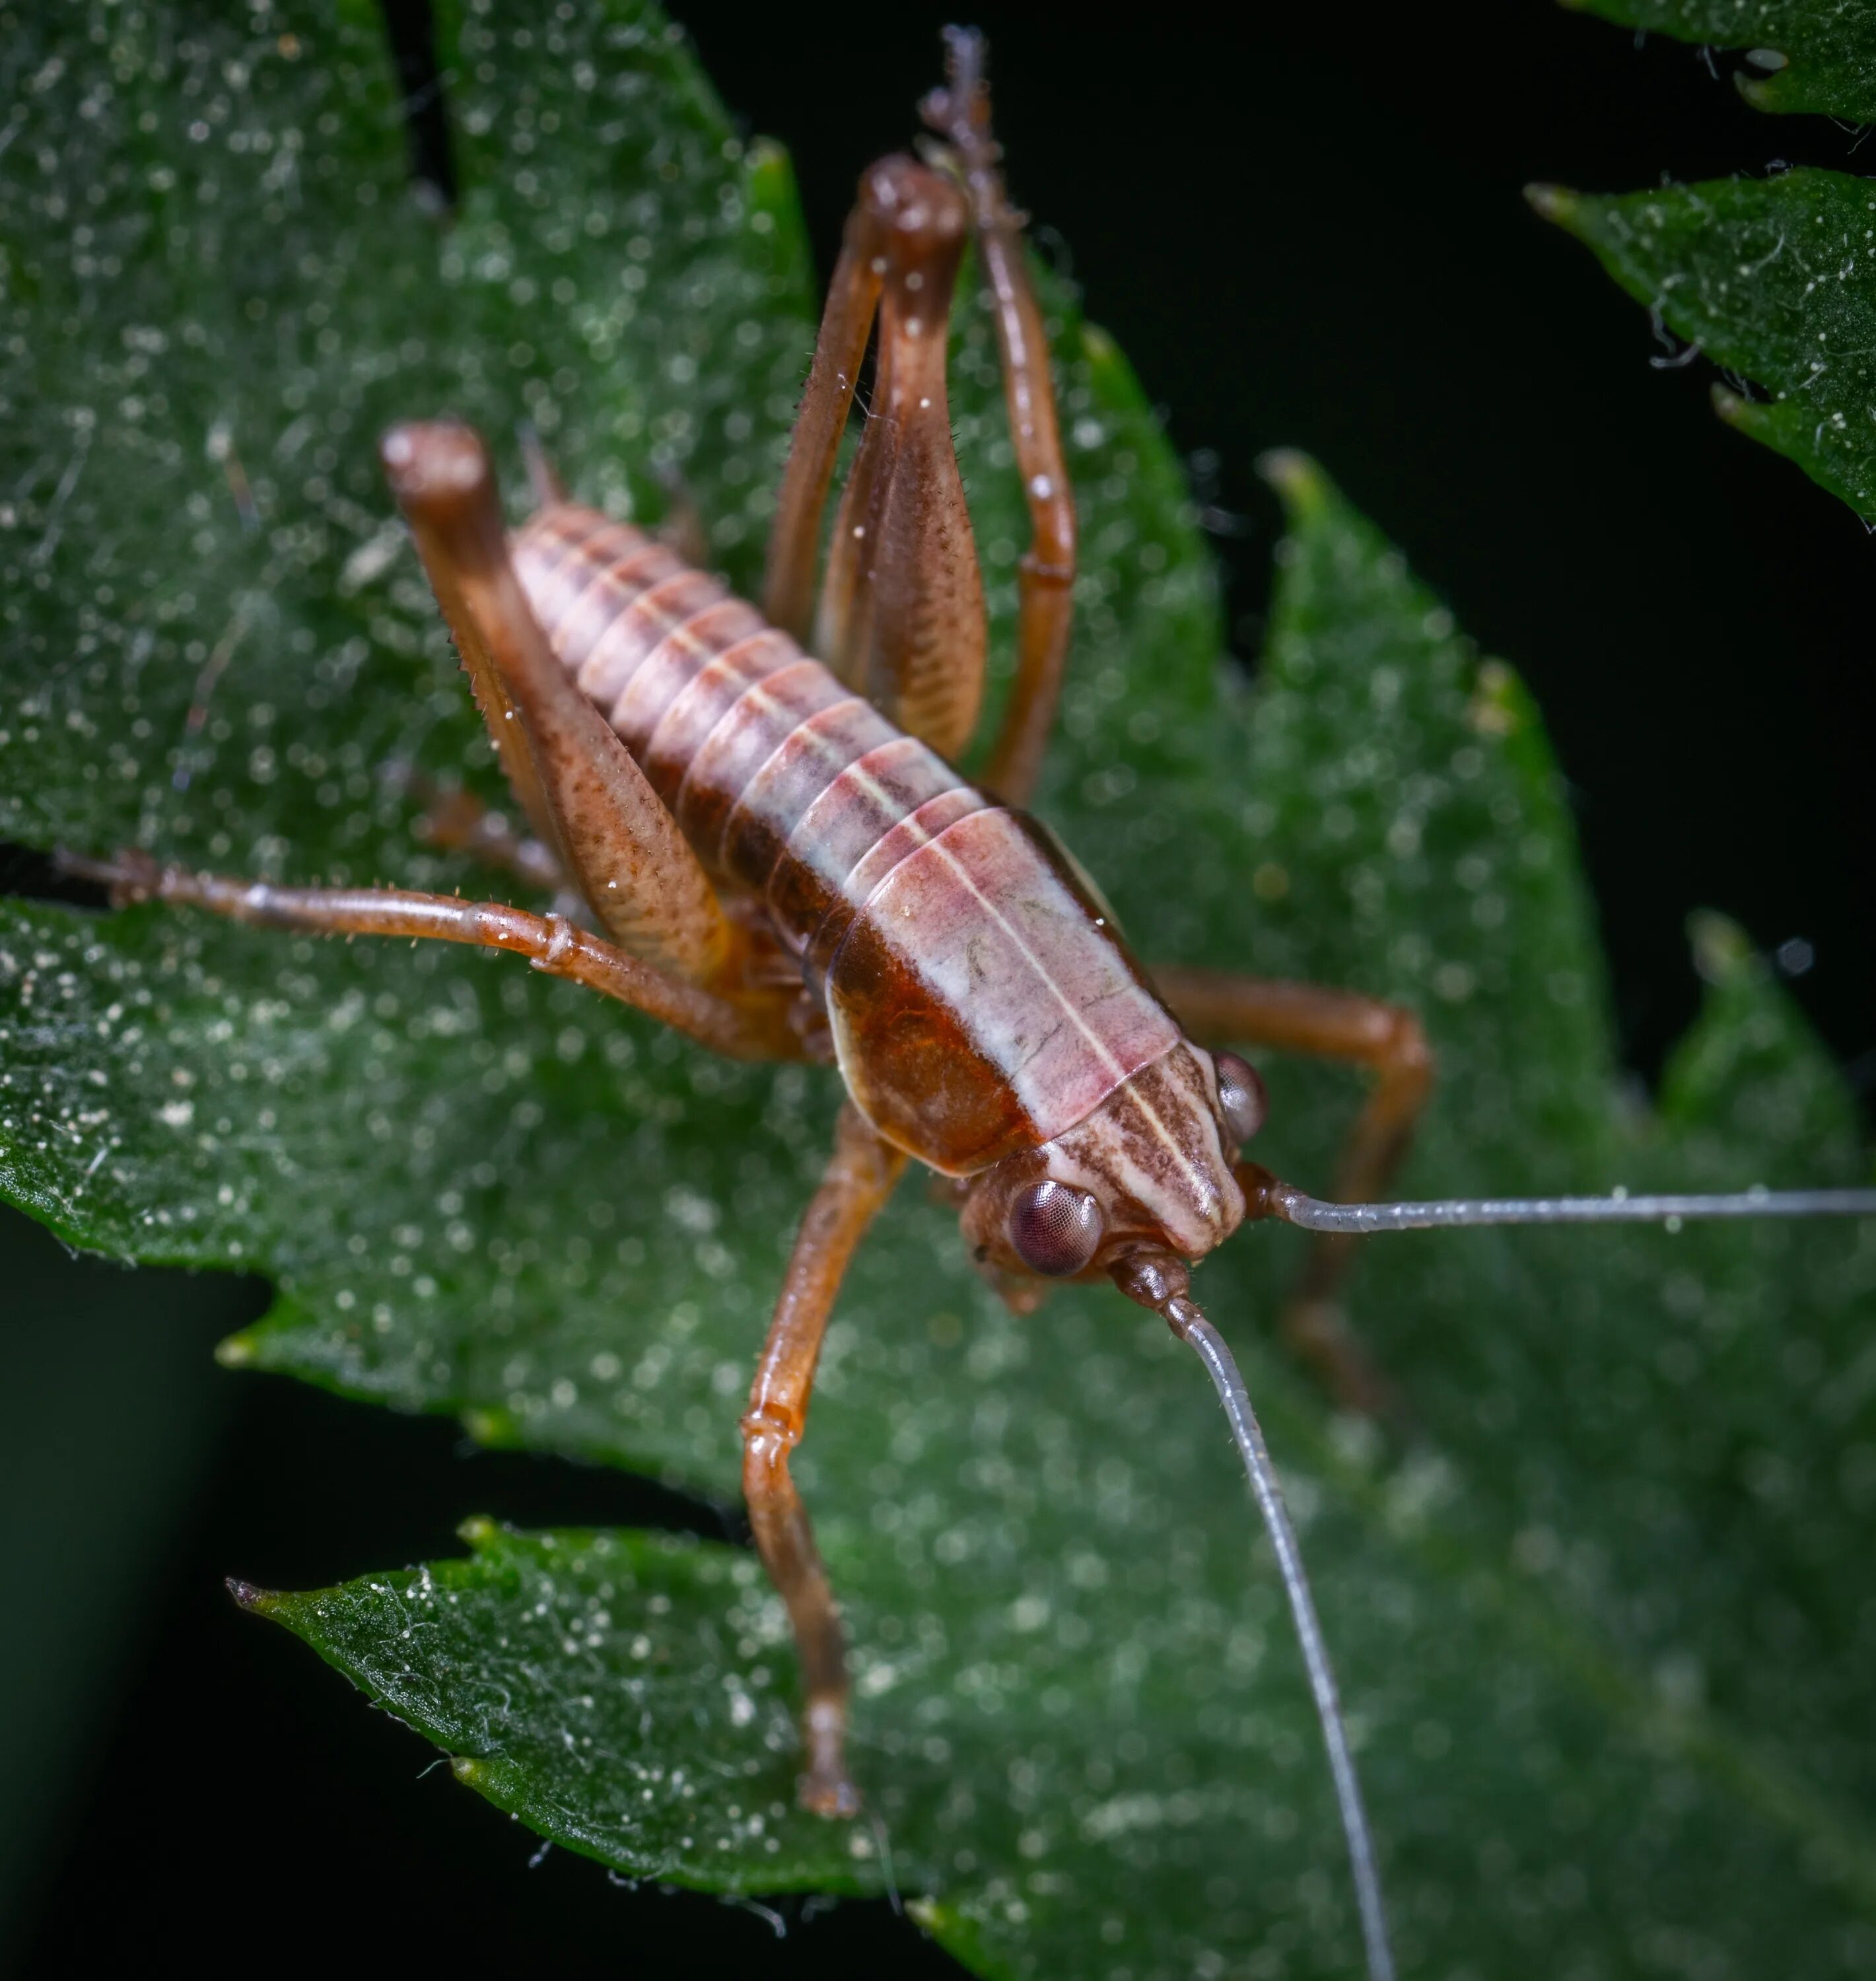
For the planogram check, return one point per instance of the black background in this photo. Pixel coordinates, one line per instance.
(1305, 231)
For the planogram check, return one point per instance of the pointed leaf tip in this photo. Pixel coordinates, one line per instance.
(1722, 952)
(250, 1595)
(1811, 55)
(480, 1531)
(1294, 475)
(1710, 262)
(498, 1429)
(237, 1352)
(1555, 203)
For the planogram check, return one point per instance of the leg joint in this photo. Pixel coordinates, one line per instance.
(1044, 569)
(912, 213)
(561, 941)
(770, 1432)
(1408, 1054)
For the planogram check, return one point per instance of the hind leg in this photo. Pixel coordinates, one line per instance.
(960, 113)
(901, 616)
(902, 607)
(585, 798)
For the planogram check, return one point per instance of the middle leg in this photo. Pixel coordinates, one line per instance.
(758, 1024)
(858, 1179)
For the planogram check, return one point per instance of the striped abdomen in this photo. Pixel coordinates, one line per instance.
(979, 1005)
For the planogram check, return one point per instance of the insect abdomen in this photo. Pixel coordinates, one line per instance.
(978, 1004)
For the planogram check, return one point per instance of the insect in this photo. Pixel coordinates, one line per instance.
(773, 854)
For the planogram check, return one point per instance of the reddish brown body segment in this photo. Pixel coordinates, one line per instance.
(979, 1005)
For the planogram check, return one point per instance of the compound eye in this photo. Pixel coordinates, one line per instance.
(1241, 1098)
(1055, 1228)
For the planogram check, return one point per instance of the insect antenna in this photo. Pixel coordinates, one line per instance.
(1160, 1283)
(1191, 1326)
(1266, 1196)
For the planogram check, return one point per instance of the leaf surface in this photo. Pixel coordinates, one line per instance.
(1815, 55)
(1773, 280)
(1598, 1618)
(1770, 279)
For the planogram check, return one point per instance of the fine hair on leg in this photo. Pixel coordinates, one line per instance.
(901, 610)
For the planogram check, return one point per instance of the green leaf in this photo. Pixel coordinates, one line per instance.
(1772, 280)
(601, 1686)
(1600, 1623)
(1817, 54)
(1769, 279)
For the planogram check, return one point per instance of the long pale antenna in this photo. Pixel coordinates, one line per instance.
(1149, 1281)
(1286, 1202)
(1190, 1325)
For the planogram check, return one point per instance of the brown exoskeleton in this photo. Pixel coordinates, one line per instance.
(776, 858)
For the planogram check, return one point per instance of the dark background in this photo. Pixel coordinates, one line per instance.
(1304, 230)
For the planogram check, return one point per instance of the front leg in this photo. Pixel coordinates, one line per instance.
(858, 1179)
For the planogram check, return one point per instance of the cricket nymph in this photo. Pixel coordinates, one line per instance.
(773, 854)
